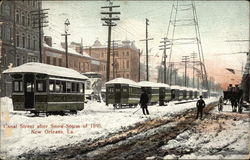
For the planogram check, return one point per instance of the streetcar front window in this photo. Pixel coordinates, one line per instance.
(17, 86)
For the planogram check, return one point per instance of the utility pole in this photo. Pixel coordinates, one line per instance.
(193, 56)
(139, 74)
(113, 55)
(147, 39)
(108, 21)
(165, 40)
(185, 60)
(66, 23)
(39, 21)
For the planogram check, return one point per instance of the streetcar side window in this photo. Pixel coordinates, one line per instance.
(58, 86)
(68, 87)
(64, 87)
(124, 90)
(117, 90)
(51, 86)
(81, 88)
(74, 87)
(40, 86)
(77, 87)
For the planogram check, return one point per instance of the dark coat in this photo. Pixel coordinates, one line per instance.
(144, 98)
(200, 103)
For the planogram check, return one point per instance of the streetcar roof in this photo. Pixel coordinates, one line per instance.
(34, 67)
(148, 84)
(123, 81)
(176, 87)
(163, 85)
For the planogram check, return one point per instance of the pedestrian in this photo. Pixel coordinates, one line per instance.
(200, 105)
(144, 102)
(220, 105)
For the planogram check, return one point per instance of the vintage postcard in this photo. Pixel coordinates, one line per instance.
(124, 79)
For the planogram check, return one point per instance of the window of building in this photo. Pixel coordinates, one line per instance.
(29, 42)
(8, 33)
(17, 40)
(23, 19)
(127, 53)
(6, 9)
(17, 17)
(34, 43)
(24, 59)
(48, 59)
(86, 66)
(28, 20)
(24, 40)
(17, 60)
(127, 64)
(123, 64)
(123, 53)
(29, 59)
(34, 3)
(60, 61)
(1, 32)
(127, 75)
(104, 68)
(54, 61)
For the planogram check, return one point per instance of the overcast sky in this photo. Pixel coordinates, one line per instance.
(219, 21)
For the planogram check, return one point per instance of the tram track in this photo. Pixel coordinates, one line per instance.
(156, 133)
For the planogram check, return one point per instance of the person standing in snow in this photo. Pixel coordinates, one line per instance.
(200, 105)
(220, 105)
(144, 102)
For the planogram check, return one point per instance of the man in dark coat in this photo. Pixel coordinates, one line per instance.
(144, 102)
(200, 105)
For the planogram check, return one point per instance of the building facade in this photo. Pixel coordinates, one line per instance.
(18, 40)
(124, 62)
(55, 55)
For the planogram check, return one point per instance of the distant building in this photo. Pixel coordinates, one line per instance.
(18, 40)
(55, 55)
(126, 60)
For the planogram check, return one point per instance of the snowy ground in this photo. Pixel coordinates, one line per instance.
(21, 132)
(224, 135)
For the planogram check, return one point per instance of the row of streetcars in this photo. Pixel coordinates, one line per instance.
(42, 88)
(124, 92)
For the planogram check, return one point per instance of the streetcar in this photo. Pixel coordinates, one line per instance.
(43, 88)
(122, 92)
(164, 93)
(152, 90)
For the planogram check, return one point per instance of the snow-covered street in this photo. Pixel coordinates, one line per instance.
(22, 133)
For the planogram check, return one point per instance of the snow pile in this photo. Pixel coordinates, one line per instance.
(218, 140)
(96, 121)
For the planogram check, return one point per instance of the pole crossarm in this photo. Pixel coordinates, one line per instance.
(108, 21)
